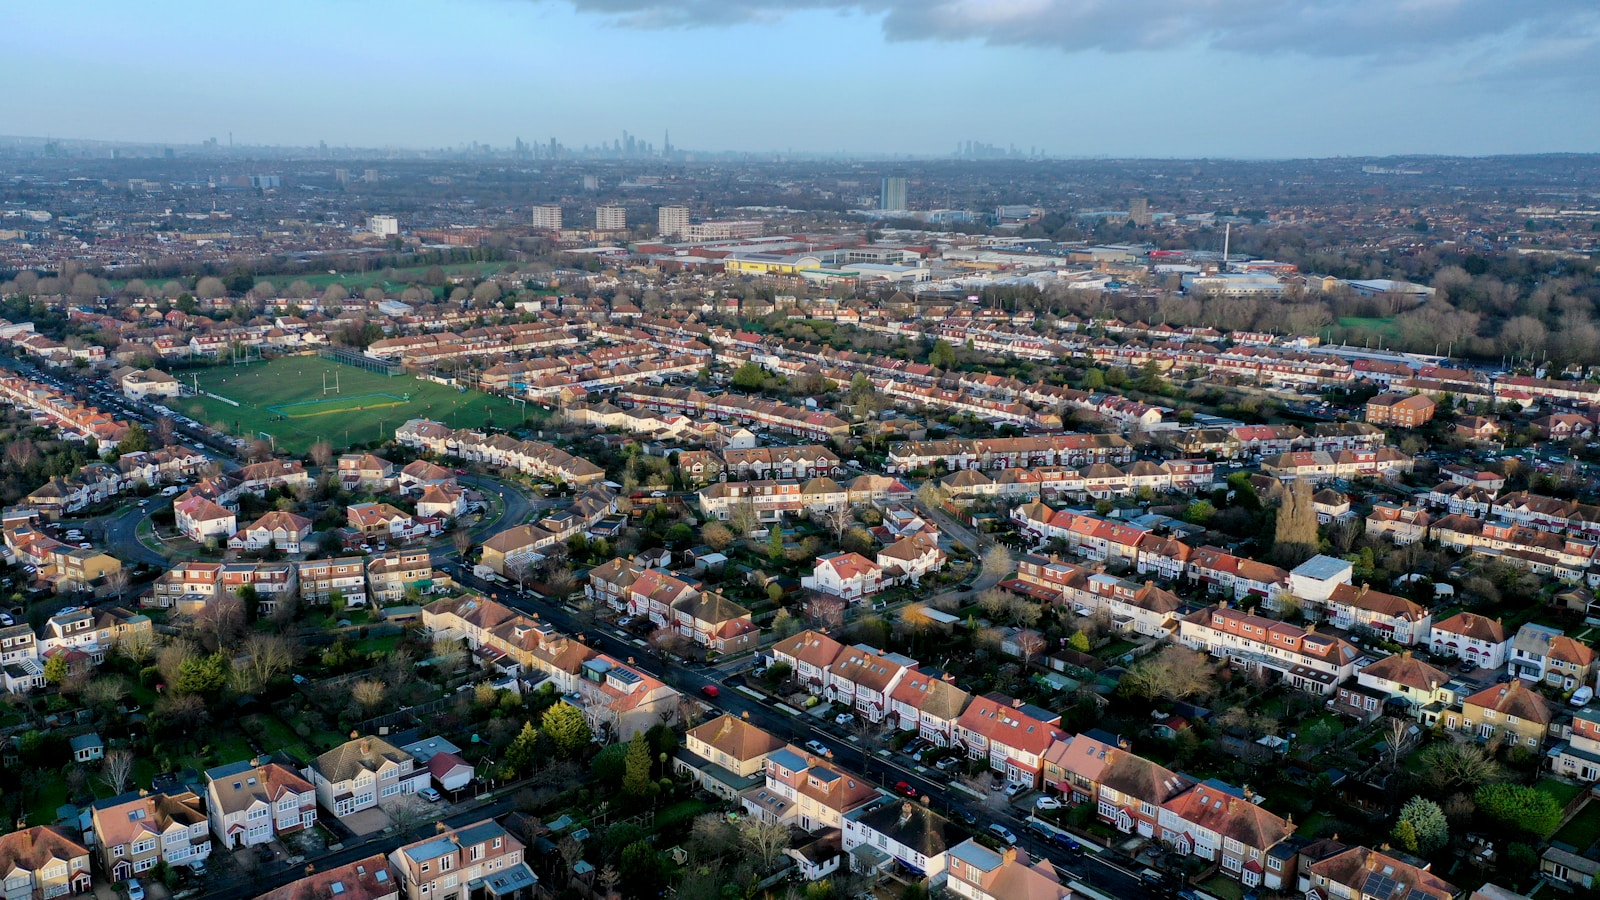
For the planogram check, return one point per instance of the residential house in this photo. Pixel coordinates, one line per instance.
(19, 659)
(321, 579)
(92, 631)
(803, 790)
(978, 873)
(365, 879)
(513, 550)
(1471, 637)
(363, 773)
(1328, 869)
(1011, 735)
(864, 677)
(715, 623)
(258, 800)
(41, 863)
(446, 501)
(1401, 410)
(393, 574)
(278, 530)
(1510, 713)
(845, 574)
(1399, 680)
(1301, 657)
(134, 832)
(1540, 653)
(1221, 823)
(366, 472)
(1579, 756)
(725, 755)
(201, 520)
(422, 474)
(618, 699)
(910, 559)
(481, 860)
(929, 705)
(809, 655)
(611, 583)
(902, 835)
(1132, 790)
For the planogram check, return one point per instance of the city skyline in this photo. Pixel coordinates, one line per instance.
(1056, 77)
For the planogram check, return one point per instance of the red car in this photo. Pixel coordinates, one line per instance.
(710, 690)
(905, 788)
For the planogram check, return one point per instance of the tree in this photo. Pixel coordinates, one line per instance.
(825, 611)
(566, 728)
(711, 836)
(210, 288)
(996, 562)
(636, 780)
(264, 657)
(405, 812)
(1519, 808)
(1199, 512)
(105, 692)
(1029, 644)
(1448, 767)
(716, 535)
(610, 764)
(116, 770)
(775, 542)
(55, 669)
(1079, 642)
(202, 675)
(1430, 831)
(462, 539)
(117, 582)
(322, 454)
(1173, 673)
(523, 750)
(784, 624)
(368, 693)
(136, 440)
(942, 356)
(1295, 538)
(765, 840)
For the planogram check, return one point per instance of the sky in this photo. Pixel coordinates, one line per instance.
(1071, 78)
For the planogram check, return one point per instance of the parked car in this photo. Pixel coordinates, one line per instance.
(1015, 788)
(430, 795)
(1003, 833)
(1046, 802)
(967, 816)
(948, 763)
(904, 787)
(135, 889)
(1582, 696)
(819, 748)
(846, 719)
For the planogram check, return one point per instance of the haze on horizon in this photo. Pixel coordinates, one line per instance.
(1156, 78)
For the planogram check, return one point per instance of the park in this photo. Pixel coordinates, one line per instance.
(300, 400)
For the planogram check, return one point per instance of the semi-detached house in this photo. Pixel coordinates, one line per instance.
(256, 801)
(363, 773)
(1011, 735)
(134, 832)
(864, 677)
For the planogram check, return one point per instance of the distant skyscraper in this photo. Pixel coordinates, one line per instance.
(1139, 211)
(383, 226)
(610, 218)
(672, 221)
(371, 176)
(894, 194)
(547, 217)
(341, 175)
(591, 182)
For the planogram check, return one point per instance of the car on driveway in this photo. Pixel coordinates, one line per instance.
(948, 763)
(430, 795)
(1047, 803)
(135, 889)
(845, 719)
(1016, 789)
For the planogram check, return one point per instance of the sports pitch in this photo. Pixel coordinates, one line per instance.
(285, 398)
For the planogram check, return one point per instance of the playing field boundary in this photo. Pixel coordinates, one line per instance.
(336, 405)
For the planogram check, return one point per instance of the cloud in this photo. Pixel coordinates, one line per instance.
(1498, 33)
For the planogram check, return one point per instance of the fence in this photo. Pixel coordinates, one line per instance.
(361, 361)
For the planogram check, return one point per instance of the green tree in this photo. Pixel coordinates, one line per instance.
(1199, 512)
(750, 377)
(1519, 808)
(1430, 831)
(1079, 642)
(1094, 380)
(1296, 536)
(775, 542)
(135, 441)
(1405, 836)
(636, 781)
(523, 750)
(202, 674)
(609, 765)
(642, 872)
(566, 728)
(942, 356)
(55, 669)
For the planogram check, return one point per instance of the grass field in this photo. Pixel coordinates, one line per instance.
(284, 398)
(356, 282)
(1385, 327)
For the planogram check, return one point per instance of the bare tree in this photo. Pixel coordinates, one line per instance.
(825, 611)
(608, 878)
(1029, 643)
(116, 770)
(166, 431)
(405, 812)
(837, 519)
(263, 657)
(219, 624)
(997, 562)
(743, 518)
(766, 840)
(117, 582)
(462, 539)
(137, 645)
(1399, 737)
(1174, 673)
(368, 693)
(322, 454)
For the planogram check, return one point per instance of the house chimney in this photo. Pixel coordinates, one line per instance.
(366, 746)
(1008, 856)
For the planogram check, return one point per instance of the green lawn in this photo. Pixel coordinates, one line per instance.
(356, 282)
(1563, 792)
(1583, 829)
(284, 398)
(1384, 327)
